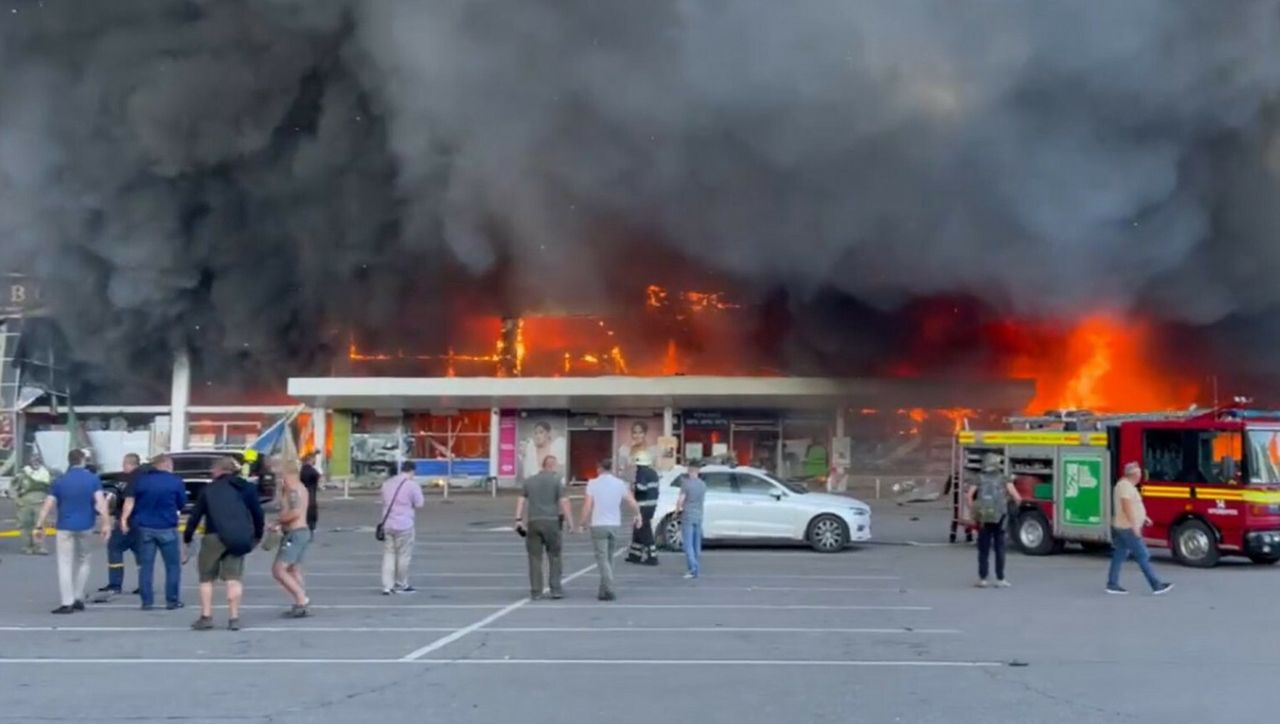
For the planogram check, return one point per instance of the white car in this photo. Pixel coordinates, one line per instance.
(749, 504)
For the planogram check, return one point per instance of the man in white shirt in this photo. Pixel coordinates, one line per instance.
(602, 510)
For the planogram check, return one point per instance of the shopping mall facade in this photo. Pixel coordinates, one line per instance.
(502, 427)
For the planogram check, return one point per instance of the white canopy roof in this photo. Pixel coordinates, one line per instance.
(606, 394)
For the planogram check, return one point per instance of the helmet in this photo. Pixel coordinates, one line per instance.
(990, 461)
(643, 458)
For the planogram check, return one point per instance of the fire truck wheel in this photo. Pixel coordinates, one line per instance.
(1265, 559)
(671, 537)
(1034, 536)
(1195, 545)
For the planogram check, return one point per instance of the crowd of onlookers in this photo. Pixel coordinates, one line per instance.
(142, 515)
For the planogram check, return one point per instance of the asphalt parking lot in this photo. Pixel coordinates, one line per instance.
(883, 633)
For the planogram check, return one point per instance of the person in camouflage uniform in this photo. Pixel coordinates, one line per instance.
(31, 487)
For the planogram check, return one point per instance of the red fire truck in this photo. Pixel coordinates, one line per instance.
(1211, 480)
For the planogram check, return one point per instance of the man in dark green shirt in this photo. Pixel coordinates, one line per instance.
(539, 511)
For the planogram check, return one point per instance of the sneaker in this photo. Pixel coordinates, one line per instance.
(233, 624)
(535, 596)
(1117, 591)
(1002, 583)
(296, 611)
(108, 589)
(607, 596)
(204, 623)
(63, 610)
(407, 589)
(689, 576)
(386, 591)
(174, 606)
(1162, 589)
(78, 605)
(147, 607)
(557, 595)
(982, 583)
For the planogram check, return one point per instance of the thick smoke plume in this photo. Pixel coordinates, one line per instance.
(245, 176)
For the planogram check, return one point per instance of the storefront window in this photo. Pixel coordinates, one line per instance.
(463, 435)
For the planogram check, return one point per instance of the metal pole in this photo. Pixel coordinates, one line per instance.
(179, 400)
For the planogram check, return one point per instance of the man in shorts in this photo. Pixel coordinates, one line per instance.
(233, 527)
(296, 536)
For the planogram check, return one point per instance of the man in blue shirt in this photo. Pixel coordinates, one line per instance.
(151, 509)
(78, 496)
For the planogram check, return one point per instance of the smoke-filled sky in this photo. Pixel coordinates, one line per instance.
(243, 175)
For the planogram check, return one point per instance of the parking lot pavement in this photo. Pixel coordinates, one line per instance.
(877, 634)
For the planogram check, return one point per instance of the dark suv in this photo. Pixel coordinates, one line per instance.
(194, 467)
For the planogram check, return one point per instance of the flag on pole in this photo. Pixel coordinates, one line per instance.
(270, 439)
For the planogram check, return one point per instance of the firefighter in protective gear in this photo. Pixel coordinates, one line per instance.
(643, 549)
(31, 488)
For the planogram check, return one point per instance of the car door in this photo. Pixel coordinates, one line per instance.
(719, 513)
(765, 508)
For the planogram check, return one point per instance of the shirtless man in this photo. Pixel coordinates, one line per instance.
(292, 523)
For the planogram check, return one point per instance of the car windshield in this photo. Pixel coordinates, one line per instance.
(1264, 456)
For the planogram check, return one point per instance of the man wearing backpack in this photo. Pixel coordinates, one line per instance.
(233, 525)
(989, 501)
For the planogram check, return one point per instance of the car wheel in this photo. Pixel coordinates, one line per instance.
(672, 536)
(1033, 534)
(1196, 545)
(828, 534)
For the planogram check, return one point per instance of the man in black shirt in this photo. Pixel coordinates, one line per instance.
(119, 542)
(233, 526)
(311, 480)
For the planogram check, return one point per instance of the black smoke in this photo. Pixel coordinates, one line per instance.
(252, 177)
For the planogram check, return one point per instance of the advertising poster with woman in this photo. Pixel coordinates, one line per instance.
(633, 434)
(541, 434)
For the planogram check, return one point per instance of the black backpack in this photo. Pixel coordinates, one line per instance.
(225, 506)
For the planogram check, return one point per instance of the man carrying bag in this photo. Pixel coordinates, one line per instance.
(233, 526)
(401, 498)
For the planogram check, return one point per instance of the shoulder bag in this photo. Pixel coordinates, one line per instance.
(381, 532)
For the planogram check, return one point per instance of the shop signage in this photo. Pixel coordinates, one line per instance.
(507, 444)
(706, 419)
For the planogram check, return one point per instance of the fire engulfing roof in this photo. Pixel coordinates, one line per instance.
(628, 393)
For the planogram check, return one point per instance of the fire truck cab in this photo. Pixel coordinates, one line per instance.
(1211, 480)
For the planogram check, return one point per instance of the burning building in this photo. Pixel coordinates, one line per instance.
(423, 209)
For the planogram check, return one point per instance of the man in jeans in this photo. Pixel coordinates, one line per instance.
(401, 499)
(693, 491)
(539, 512)
(602, 508)
(150, 515)
(78, 496)
(1129, 517)
(989, 501)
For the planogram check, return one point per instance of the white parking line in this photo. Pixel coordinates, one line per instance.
(429, 588)
(255, 629)
(499, 629)
(462, 632)
(909, 663)
(719, 629)
(443, 574)
(737, 606)
(337, 606)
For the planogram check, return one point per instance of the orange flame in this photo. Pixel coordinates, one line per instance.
(1101, 365)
